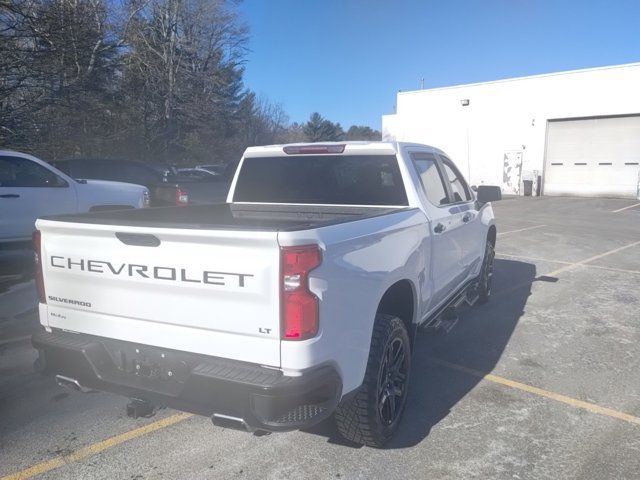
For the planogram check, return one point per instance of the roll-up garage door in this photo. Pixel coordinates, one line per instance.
(593, 157)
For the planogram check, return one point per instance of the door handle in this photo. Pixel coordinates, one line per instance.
(10, 195)
(439, 228)
(466, 217)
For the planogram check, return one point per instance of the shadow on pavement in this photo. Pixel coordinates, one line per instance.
(16, 265)
(477, 342)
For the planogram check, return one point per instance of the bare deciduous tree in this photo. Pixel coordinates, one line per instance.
(156, 80)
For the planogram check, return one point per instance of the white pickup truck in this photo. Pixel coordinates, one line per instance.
(31, 188)
(297, 299)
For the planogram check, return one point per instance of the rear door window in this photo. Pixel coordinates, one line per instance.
(322, 179)
(427, 167)
(459, 188)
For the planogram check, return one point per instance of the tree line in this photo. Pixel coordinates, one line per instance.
(153, 80)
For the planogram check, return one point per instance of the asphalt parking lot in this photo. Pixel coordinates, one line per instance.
(542, 382)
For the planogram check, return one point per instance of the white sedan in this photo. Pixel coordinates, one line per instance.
(31, 188)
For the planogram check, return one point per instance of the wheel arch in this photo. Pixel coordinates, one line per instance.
(399, 300)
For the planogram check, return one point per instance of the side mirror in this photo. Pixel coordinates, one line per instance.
(488, 193)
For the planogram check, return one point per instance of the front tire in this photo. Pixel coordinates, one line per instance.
(372, 416)
(486, 274)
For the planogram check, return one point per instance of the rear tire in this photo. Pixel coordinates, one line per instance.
(372, 416)
(486, 274)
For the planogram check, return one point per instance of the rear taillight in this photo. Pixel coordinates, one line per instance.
(146, 199)
(182, 197)
(299, 307)
(37, 255)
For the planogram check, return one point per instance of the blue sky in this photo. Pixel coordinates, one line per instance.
(347, 59)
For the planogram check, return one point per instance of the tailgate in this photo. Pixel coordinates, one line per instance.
(209, 292)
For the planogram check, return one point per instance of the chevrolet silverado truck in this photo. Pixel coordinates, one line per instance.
(297, 299)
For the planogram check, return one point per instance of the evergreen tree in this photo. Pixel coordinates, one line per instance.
(319, 129)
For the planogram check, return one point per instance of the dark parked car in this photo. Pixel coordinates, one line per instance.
(165, 189)
(197, 174)
(216, 169)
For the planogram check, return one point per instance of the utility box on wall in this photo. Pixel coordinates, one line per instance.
(568, 133)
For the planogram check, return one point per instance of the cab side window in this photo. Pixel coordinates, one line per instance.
(22, 172)
(458, 186)
(427, 167)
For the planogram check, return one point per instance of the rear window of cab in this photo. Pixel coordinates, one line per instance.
(322, 179)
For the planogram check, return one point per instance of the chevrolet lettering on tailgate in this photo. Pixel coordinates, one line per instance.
(145, 271)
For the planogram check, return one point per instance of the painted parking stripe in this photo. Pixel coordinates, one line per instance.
(591, 259)
(96, 448)
(568, 266)
(521, 230)
(626, 208)
(109, 443)
(562, 262)
(533, 259)
(574, 402)
(611, 269)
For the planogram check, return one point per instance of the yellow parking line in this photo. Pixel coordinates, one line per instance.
(591, 407)
(109, 443)
(521, 230)
(96, 448)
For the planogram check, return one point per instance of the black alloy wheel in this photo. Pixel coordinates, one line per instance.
(372, 415)
(392, 381)
(486, 274)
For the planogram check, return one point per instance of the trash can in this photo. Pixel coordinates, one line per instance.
(528, 187)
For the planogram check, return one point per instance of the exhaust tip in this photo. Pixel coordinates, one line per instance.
(226, 421)
(71, 383)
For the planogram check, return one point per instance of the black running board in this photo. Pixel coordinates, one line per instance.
(445, 320)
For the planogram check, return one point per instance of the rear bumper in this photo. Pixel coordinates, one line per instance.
(263, 398)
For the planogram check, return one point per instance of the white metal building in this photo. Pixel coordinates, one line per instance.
(578, 131)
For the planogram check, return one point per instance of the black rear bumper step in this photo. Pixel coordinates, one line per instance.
(263, 398)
